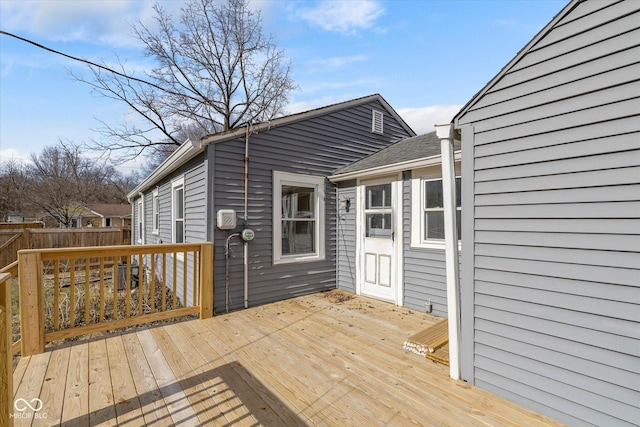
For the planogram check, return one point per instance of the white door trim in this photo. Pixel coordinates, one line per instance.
(398, 241)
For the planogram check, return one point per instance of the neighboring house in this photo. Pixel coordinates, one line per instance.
(390, 225)
(291, 204)
(550, 281)
(112, 214)
(100, 215)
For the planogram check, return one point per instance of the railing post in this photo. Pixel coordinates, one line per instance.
(6, 355)
(31, 302)
(206, 280)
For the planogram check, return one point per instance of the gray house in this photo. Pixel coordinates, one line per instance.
(550, 285)
(390, 225)
(200, 194)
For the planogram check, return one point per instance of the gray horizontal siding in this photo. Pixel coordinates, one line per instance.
(424, 270)
(556, 202)
(195, 200)
(195, 185)
(317, 146)
(346, 256)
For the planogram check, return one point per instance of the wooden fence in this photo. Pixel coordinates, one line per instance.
(20, 225)
(13, 240)
(70, 292)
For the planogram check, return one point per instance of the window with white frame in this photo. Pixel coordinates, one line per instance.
(298, 217)
(427, 224)
(140, 222)
(156, 212)
(177, 211)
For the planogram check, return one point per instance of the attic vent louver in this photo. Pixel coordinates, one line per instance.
(377, 125)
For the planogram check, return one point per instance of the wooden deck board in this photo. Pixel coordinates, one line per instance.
(53, 389)
(125, 395)
(325, 359)
(102, 411)
(154, 410)
(76, 396)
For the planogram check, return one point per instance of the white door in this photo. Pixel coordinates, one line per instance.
(378, 263)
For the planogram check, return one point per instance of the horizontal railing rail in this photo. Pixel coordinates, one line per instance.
(65, 293)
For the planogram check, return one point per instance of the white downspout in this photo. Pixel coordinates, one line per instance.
(446, 136)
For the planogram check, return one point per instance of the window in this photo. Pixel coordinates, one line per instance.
(177, 203)
(427, 224)
(156, 212)
(378, 211)
(108, 222)
(298, 218)
(141, 220)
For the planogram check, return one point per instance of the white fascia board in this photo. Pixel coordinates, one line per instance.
(393, 168)
(187, 151)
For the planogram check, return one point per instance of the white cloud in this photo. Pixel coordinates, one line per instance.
(67, 20)
(336, 62)
(10, 154)
(422, 120)
(345, 17)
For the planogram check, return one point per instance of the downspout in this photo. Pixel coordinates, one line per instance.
(246, 217)
(446, 135)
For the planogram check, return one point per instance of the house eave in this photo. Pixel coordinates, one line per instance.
(187, 151)
(392, 168)
(521, 53)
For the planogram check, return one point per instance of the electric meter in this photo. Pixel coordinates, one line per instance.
(247, 234)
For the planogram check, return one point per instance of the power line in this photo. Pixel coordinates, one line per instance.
(90, 63)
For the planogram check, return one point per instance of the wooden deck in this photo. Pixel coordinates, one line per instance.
(321, 359)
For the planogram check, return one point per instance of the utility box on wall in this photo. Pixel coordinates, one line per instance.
(226, 219)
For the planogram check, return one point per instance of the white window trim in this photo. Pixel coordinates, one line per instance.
(174, 186)
(140, 222)
(155, 202)
(418, 178)
(318, 182)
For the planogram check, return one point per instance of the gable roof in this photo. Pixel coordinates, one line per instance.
(111, 209)
(521, 53)
(189, 149)
(408, 153)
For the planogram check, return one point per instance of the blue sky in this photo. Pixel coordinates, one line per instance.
(426, 58)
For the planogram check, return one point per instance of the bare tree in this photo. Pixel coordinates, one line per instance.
(60, 180)
(216, 70)
(12, 179)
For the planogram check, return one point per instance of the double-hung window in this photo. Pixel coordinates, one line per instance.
(298, 217)
(177, 211)
(427, 225)
(141, 220)
(156, 212)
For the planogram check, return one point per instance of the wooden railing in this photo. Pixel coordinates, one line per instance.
(70, 292)
(6, 359)
(11, 271)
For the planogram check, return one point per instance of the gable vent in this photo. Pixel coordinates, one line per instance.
(377, 125)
